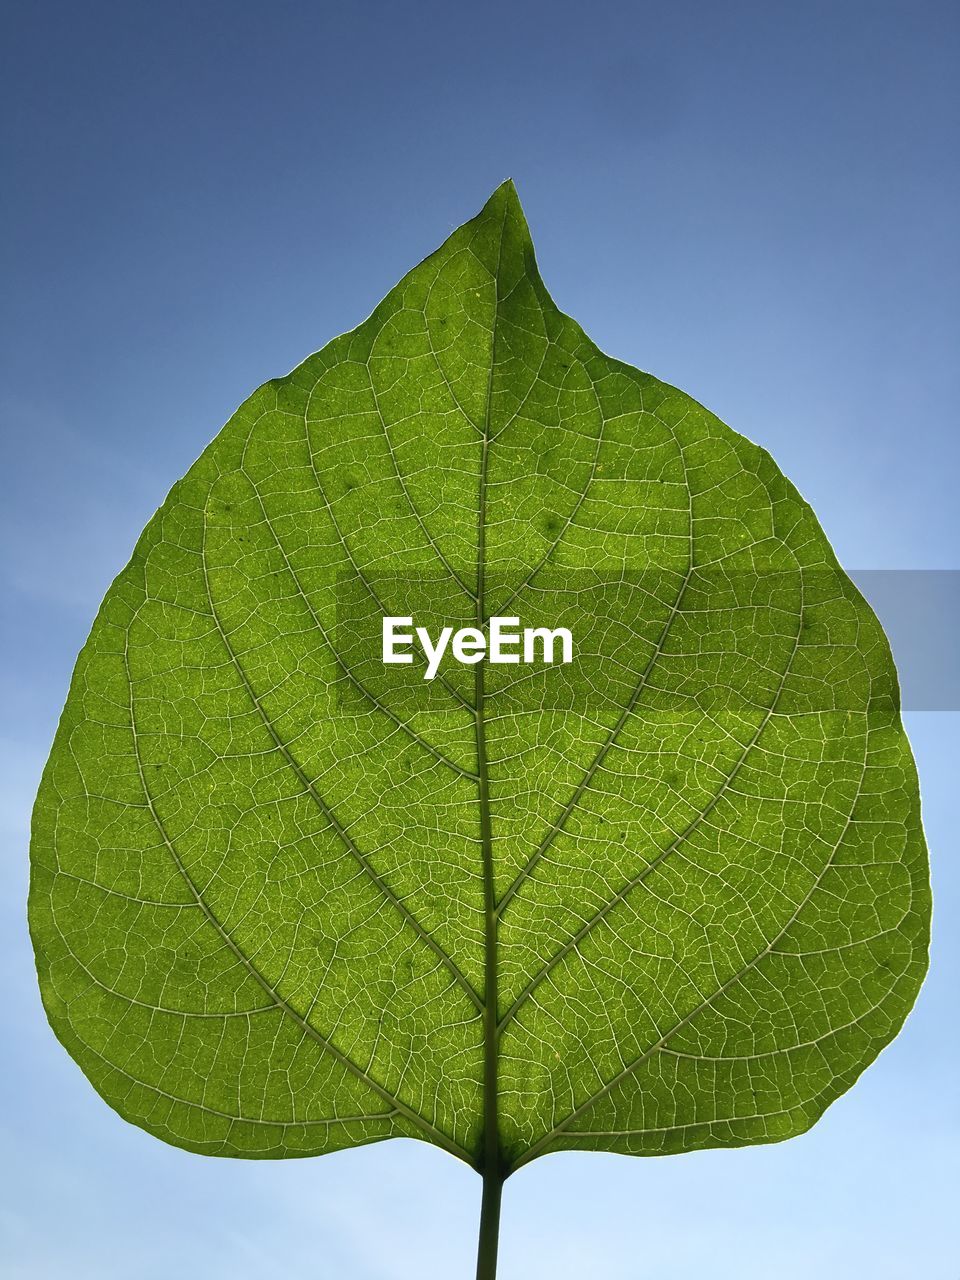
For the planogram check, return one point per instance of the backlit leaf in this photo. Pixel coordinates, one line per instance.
(671, 895)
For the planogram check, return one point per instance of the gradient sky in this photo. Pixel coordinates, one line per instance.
(757, 202)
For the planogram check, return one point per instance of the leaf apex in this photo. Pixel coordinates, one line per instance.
(504, 197)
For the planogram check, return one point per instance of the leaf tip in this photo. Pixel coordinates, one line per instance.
(503, 198)
(506, 231)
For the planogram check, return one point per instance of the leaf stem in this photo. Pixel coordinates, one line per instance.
(489, 1223)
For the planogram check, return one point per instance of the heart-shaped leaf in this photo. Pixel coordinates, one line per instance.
(671, 894)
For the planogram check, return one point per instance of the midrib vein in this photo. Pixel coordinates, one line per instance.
(491, 1159)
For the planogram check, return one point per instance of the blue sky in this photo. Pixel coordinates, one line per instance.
(756, 202)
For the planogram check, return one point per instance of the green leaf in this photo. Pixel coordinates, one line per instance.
(672, 895)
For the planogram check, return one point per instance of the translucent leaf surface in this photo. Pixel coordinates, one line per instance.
(672, 895)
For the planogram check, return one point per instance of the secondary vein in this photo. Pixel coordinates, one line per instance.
(419, 1122)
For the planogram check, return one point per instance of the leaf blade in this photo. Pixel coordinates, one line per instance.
(597, 884)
